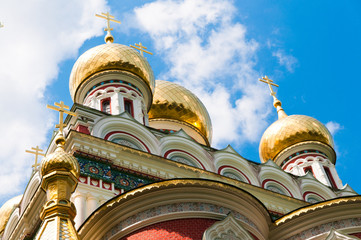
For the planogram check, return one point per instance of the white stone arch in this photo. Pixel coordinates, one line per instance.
(201, 198)
(13, 221)
(318, 165)
(127, 139)
(229, 171)
(173, 145)
(185, 158)
(310, 186)
(30, 190)
(126, 124)
(225, 161)
(270, 173)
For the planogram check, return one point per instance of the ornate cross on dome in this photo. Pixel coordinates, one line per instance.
(62, 109)
(141, 48)
(108, 17)
(270, 83)
(276, 103)
(37, 152)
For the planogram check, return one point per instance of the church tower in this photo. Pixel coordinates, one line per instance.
(113, 78)
(300, 144)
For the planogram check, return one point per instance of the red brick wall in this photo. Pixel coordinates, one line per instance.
(181, 229)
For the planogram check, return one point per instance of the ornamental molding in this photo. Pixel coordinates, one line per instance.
(326, 149)
(161, 201)
(154, 165)
(337, 235)
(181, 210)
(327, 231)
(89, 82)
(229, 228)
(315, 207)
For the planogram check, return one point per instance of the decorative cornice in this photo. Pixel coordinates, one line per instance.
(317, 206)
(331, 152)
(176, 170)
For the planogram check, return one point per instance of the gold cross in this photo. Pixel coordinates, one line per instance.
(270, 83)
(62, 109)
(109, 18)
(141, 48)
(37, 153)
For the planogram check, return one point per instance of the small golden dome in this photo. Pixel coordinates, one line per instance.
(172, 101)
(60, 160)
(109, 56)
(291, 130)
(7, 209)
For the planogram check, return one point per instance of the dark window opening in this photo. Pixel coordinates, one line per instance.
(128, 106)
(330, 178)
(105, 105)
(308, 169)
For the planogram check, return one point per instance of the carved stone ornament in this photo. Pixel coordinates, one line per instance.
(336, 235)
(229, 229)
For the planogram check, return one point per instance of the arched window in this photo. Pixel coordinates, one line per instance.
(183, 160)
(234, 176)
(126, 142)
(330, 178)
(312, 197)
(128, 106)
(274, 188)
(105, 105)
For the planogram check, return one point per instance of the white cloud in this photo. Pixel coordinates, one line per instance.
(333, 127)
(210, 54)
(36, 37)
(287, 60)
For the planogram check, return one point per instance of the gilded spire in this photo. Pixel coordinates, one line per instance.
(276, 103)
(109, 37)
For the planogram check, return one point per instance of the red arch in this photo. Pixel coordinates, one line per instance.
(309, 192)
(114, 132)
(178, 150)
(227, 166)
(271, 180)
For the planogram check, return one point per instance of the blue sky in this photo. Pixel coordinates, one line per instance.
(216, 48)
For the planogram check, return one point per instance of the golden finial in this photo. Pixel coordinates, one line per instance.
(1, 25)
(141, 48)
(62, 109)
(37, 152)
(108, 17)
(276, 103)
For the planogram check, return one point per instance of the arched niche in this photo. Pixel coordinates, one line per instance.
(234, 164)
(273, 176)
(173, 200)
(129, 129)
(171, 146)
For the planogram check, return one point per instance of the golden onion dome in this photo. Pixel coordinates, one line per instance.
(7, 209)
(109, 56)
(60, 160)
(290, 130)
(172, 101)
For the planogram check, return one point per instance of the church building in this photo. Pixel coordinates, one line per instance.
(133, 160)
